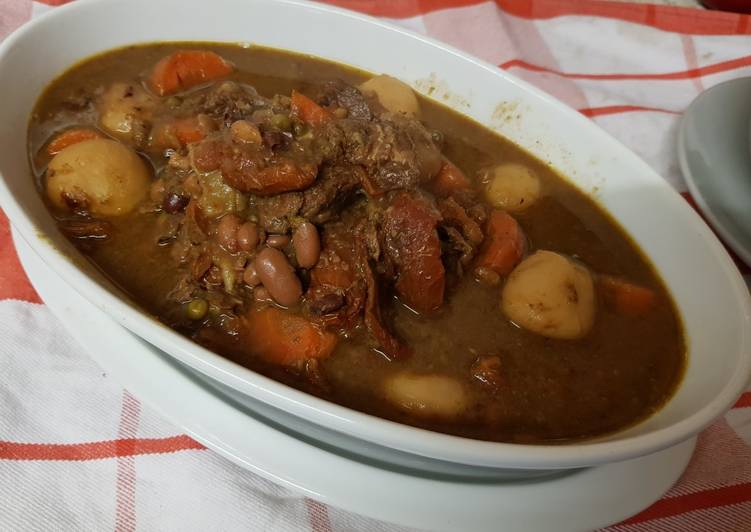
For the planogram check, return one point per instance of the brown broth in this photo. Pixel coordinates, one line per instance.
(554, 390)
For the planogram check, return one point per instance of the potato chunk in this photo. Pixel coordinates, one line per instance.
(393, 94)
(512, 187)
(551, 295)
(124, 109)
(430, 395)
(101, 176)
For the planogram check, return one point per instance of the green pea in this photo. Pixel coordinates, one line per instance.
(197, 309)
(299, 129)
(281, 122)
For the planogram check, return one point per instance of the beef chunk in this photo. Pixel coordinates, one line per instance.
(457, 246)
(275, 212)
(346, 96)
(335, 185)
(454, 215)
(227, 102)
(396, 152)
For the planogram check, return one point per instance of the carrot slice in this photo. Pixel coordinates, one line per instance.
(504, 244)
(450, 179)
(280, 337)
(70, 137)
(184, 69)
(624, 297)
(309, 111)
(177, 133)
(412, 241)
(188, 130)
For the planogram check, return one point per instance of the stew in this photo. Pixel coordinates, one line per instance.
(348, 237)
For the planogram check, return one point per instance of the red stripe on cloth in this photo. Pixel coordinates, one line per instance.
(529, 41)
(54, 2)
(724, 66)
(616, 109)
(125, 496)
(400, 8)
(670, 506)
(318, 516)
(744, 401)
(14, 284)
(96, 450)
(692, 62)
(666, 18)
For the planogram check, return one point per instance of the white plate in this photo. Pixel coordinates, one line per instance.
(711, 295)
(714, 150)
(582, 500)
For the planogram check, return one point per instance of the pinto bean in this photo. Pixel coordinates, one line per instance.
(277, 241)
(307, 245)
(244, 131)
(250, 275)
(261, 295)
(226, 232)
(247, 236)
(278, 276)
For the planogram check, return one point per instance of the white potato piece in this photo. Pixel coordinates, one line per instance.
(428, 395)
(103, 175)
(123, 110)
(551, 295)
(512, 187)
(393, 94)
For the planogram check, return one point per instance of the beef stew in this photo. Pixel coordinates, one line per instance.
(346, 236)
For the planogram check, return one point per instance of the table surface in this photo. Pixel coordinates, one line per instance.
(79, 453)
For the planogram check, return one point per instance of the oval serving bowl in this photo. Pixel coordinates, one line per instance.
(710, 294)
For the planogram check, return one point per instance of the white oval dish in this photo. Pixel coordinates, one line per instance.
(714, 154)
(572, 501)
(709, 291)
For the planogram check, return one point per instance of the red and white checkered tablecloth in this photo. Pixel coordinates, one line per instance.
(77, 452)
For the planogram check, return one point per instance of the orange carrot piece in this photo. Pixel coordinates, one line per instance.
(188, 130)
(176, 133)
(184, 69)
(70, 137)
(504, 244)
(280, 337)
(450, 179)
(412, 238)
(309, 111)
(624, 297)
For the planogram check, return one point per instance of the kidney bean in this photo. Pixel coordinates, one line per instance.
(260, 294)
(307, 245)
(277, 241)
(174, 203)
(247, 236)
(278, 276)
(226, 232)
(250, 275)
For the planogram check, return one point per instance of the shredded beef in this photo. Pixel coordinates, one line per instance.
(335, 185)
(276, 212)
(346, 96)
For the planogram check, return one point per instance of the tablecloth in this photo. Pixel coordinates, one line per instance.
(77, 452)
